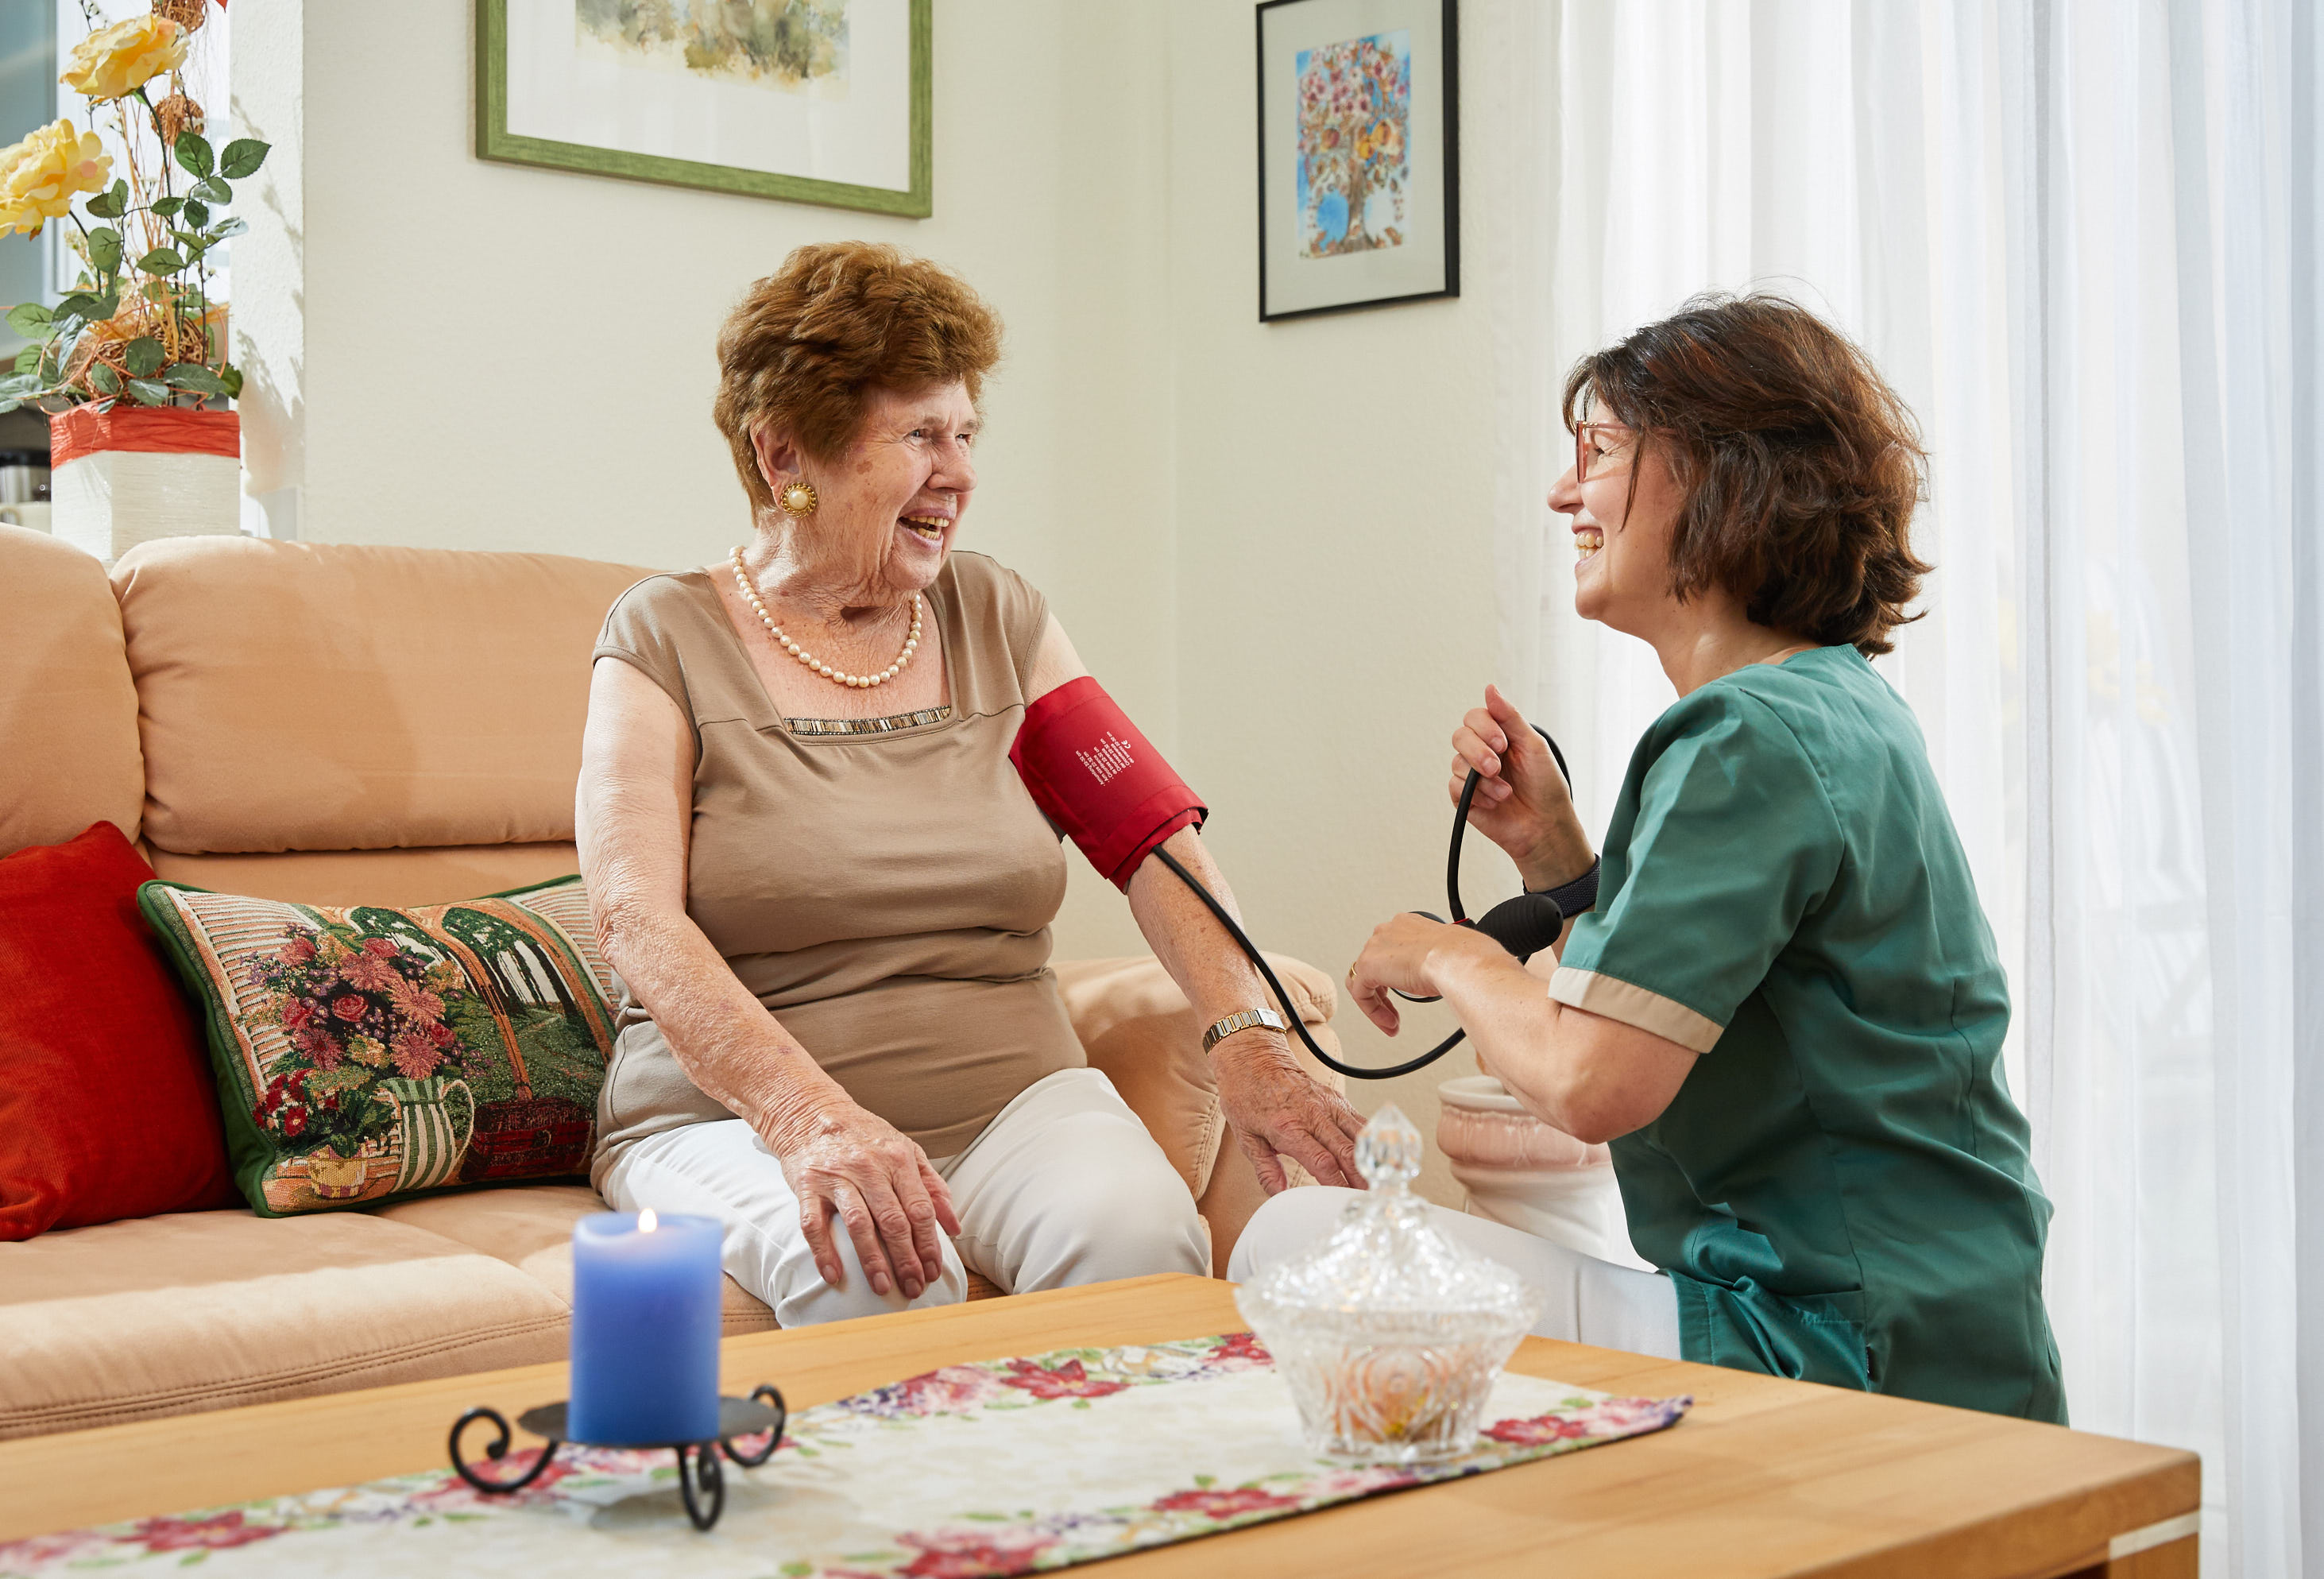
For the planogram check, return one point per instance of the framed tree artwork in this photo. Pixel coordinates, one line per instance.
(1359, 154)
(814, 101)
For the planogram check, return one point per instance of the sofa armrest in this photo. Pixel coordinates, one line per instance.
(1138, 1029)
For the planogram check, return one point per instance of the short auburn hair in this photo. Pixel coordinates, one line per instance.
(1802, 468)
(806, 346)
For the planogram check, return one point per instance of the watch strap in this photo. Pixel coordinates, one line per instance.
(1241, 1021)
(1576, 897)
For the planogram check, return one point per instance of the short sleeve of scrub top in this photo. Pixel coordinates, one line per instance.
(1690, 930)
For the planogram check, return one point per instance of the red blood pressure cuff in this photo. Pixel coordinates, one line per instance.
(1099, 779)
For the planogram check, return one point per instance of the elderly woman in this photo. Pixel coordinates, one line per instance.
(826, 890)
(1784, 1008)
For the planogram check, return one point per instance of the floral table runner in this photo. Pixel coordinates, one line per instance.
(1006, 1467)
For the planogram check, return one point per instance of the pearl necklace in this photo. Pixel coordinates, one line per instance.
(862, 682)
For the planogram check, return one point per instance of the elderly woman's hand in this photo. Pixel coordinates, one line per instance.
(838, 1158)
(1278, 1111)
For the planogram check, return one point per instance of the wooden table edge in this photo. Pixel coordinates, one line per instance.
(253, 1450)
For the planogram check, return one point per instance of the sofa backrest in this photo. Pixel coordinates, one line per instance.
(339, 722)
(69, 753)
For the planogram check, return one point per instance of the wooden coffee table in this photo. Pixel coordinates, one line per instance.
(1764, 1477)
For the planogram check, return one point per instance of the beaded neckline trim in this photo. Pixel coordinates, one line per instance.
(888, 725)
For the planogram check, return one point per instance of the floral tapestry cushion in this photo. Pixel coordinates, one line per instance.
(368, 1053)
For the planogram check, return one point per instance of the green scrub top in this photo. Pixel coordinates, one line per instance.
(1840, 1191)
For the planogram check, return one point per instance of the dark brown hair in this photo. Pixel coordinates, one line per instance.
(1801, 468)
(807, 344)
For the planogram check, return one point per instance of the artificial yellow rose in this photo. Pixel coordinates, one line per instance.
(118, 61)
(40, 176)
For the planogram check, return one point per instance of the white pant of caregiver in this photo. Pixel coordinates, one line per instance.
(1064, 1186)
(1587, 1300)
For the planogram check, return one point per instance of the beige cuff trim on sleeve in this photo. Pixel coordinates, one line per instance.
(1634, 1005)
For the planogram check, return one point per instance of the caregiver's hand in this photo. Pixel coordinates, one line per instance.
(1411, 955)
(1522, 803)
(1279, 1111)
(840, 1159)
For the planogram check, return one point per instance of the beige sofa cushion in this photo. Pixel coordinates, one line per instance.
(203, 1310)
(337, 696)
(530, 1227)
(69, 754)
(399, 878)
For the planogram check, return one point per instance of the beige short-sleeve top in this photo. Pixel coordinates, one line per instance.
(884, 886)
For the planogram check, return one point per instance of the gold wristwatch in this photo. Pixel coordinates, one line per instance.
(1242, 1022)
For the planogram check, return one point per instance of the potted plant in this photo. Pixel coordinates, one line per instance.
(130, 364)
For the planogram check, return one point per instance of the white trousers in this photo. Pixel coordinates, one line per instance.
(1064, 1186)
(1590, 1301)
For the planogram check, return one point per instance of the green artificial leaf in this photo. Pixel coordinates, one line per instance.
(103, 379)
(147, 392)
(107, 306)
(31, 319)
(154, 291)
(161, 260)
(9, 404)
(28, 359)
(144, 356)
(18, 383)
(242, 157)
(231, 376)
(194, 156)
(105, 249)
(108, 206)
(198, 214)
(165, 207)
(194, 376)
(213, 190)
(225, 227)
(81, 304)
(192, 245)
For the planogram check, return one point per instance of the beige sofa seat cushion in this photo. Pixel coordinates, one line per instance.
(397, 878)
(530, 1227)
(69, 753)
(340, 696)
(203, 1310)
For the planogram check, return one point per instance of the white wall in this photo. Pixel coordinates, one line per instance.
(1334, 543)
(1272, 542)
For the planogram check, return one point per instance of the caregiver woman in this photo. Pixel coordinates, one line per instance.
(1784, 1009)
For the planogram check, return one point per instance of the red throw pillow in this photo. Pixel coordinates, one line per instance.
(107, 1109)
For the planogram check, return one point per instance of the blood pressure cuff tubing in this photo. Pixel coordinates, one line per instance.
(1099, 779)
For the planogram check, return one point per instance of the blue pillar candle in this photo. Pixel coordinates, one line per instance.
(645, 1329)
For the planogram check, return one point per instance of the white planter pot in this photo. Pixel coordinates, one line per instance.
(1527, 1175)
(133, 474)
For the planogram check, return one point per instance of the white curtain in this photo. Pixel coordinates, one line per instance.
(2080, 238)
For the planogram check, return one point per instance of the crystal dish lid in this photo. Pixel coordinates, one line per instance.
(1386, 1259)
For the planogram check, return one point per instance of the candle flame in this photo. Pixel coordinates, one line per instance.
(646, 1220)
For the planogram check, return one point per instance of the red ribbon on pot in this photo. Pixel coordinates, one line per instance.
(84, 431)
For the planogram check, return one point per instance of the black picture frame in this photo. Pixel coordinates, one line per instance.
(1446, 78)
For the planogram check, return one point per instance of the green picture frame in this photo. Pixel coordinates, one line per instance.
(495, 142)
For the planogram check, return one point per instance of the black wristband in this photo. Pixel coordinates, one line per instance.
(1574, 898)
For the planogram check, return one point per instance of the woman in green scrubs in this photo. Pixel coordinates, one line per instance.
(1784, 1009)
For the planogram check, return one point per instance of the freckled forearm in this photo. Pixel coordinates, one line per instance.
(721, 1035)
(1201, 957)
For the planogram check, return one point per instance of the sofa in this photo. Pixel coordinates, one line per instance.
(338, 725)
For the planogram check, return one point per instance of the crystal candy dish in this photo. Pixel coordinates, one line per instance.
(1389, 1333)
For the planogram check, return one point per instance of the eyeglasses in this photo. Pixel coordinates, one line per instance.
(1584, 453)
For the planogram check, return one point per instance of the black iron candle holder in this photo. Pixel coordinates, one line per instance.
(700, 1479)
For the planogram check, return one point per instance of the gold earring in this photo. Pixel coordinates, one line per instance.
(797, 500)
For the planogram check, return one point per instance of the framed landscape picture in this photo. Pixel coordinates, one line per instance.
(814, 101)
(1359, 154)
